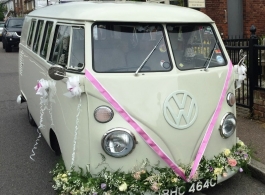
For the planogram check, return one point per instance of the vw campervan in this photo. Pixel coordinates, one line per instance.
(121, 86)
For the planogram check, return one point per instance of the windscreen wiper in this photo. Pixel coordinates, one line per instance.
(148, 56)
(209, 60)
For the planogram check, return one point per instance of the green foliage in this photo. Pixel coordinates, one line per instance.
(2, 11)
(145, 177)
(261, 38)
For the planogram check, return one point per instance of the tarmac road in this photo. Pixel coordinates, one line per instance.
(19, 175)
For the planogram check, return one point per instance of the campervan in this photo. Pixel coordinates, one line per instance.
(132, 87)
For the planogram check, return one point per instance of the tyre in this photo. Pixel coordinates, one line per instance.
(3, 44)
(54, 143)
(30, 118)
(8, 47)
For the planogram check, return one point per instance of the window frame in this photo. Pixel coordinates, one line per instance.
(31, 32)
(53, 38)
(37, 36)
(49, 38)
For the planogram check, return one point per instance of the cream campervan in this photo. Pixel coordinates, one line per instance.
(115, 84)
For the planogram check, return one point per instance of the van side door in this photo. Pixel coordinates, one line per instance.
(68, 51)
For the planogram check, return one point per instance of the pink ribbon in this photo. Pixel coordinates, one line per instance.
(38, 86)
(211, 125)
(149, 140)
(134, 124)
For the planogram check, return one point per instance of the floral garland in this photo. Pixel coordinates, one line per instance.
(145, 177)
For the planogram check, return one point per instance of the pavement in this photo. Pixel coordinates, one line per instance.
(252, 133)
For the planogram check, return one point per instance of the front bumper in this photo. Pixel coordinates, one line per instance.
(12, 41)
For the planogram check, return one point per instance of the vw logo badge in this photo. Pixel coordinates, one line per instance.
(180, 109)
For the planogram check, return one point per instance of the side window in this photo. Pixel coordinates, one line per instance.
(77, 56)
(45, 39)
(31, 30)
(60, 48)
(37, 35)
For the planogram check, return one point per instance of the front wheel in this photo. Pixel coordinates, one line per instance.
(30, 118)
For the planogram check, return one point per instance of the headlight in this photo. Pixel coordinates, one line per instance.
(228, 125)
(230, 98)
(11, 34)
(118, 142)
(103, 114)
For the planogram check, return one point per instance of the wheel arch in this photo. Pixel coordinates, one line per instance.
(54, 143)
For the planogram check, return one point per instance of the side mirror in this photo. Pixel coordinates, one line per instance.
(57, 72)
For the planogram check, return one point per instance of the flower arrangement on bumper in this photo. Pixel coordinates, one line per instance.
(145, 177)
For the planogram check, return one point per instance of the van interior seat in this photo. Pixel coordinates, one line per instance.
(108, 58)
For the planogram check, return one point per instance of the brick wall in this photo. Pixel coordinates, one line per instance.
(259, 105)
(215, 10)
(253, 14)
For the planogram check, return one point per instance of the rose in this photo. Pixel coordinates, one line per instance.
(174, 180)
(227, 152)
(155, 187)
(123, 187)
(232, 162)
(137, 175)
(218, 171)
(224, 174)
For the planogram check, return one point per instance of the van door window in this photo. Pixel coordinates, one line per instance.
(37, 35)
(60, 48)
(77, 54)
(46, 39)
(127, 47)
(31, 31)
(195, 46)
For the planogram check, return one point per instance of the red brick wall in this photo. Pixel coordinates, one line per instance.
(259, 105)
(215, 10)
(253, 14)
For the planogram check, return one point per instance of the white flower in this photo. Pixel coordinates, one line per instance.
(123, 187)
(241, 143)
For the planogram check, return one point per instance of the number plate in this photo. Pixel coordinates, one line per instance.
(190, 188)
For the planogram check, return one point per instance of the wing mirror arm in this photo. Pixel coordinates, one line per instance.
(57, 72)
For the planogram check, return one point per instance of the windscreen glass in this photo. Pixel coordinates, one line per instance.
(195, 46)
(129, 47)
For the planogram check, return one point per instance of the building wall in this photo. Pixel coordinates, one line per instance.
(215, 9)
(253, 14)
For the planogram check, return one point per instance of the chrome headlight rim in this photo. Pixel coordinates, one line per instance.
(223, 134)
(228, 99)
(104, 107)
(109, 132)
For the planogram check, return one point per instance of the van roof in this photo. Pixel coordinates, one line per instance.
(130, 12)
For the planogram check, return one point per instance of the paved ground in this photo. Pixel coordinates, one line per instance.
(252, 133)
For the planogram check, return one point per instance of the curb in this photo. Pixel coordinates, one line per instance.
(257, 170)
